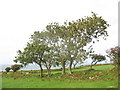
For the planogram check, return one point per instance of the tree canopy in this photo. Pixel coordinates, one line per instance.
(63, 44)
(97, 58)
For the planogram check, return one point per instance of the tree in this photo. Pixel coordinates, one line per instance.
(63, 44)
(97, 58)
(75, 35)
(61, 57)
(33, 53)
(7, 69)
(15, 67)
(48, 40)
(59, 49)
(75, 63)
(80, 59)
(37, 51)
(114, 55)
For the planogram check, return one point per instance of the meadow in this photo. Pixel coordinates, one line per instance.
(103, 76)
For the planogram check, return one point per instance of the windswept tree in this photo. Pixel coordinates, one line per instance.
(61, 57)
(37, 51)
(48, 40)
(80, 59)
(59, 49)
(63, 44)
(16, 67)
(75, 35)
(97, 58)
(33, 53)
(7, 69)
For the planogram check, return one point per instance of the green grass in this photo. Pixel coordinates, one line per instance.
(38, 83)
(102, 77)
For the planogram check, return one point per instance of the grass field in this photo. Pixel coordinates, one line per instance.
(104, 76)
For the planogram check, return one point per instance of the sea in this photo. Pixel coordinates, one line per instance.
(25, 68)
(36, 67)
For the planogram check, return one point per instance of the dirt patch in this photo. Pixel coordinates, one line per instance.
(114, 69)
(77, 75)
(90, 69)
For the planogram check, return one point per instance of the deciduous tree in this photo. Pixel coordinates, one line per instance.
(97, 58)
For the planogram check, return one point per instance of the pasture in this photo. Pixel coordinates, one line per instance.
(103, 76)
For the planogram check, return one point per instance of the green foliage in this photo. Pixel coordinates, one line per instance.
(74, 36)
(97, 58)
(7, 69)
(39, 51)
(63, 44)
(16, 67)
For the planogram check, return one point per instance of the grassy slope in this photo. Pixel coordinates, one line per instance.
(102, 77)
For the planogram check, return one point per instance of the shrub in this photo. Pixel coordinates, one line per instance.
(97, 58)
(7, 69)
(15, 67)
(114, 55)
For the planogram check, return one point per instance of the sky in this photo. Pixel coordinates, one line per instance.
(20, 18)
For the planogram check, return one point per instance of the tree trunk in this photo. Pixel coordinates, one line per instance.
(48, 69)
(41, 71)
(91, 66)
(70, 70)
(49, 72)
(74, 65)
(63, 67)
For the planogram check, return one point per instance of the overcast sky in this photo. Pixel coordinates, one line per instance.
(20, 18)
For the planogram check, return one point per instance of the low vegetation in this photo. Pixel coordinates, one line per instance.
(7, 69)
(16, 67)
